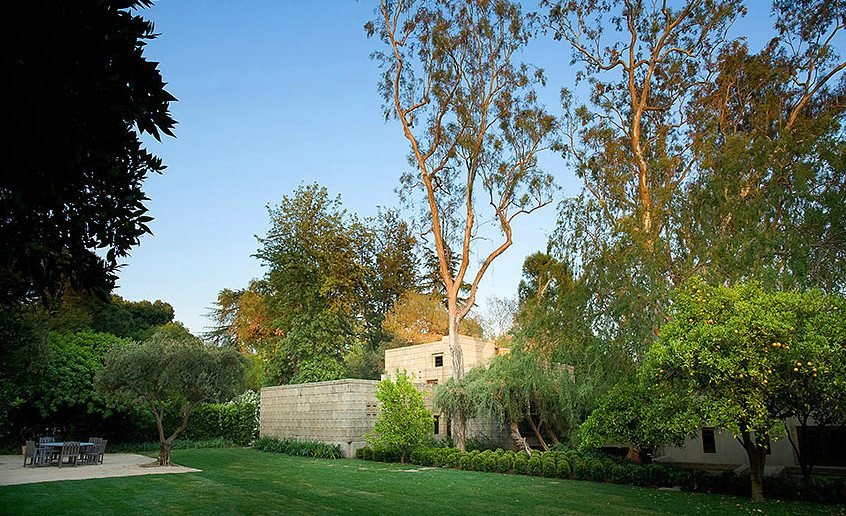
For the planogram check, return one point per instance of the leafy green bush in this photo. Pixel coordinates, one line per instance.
(580, 469)
(315, 449)
(236, 422)
(597, 470)
(535, 464)
(179, 444)
(478, 463)
(587, 466)
(563, 468)
(505, 462)
(549, 468)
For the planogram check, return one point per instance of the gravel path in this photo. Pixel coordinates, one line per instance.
(12, 471)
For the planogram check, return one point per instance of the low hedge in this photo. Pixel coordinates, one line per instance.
(234, 421)
(579, 465)
(298, 448)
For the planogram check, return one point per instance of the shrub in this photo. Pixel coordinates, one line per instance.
(233, 421)
(466, 460)
(549, 467)
(505, 462)
(563, 468)
(597, 470)
(179, 444)
(491, 463)
(580, 470)
(453, 458)
(521, 465)
(535, 464)
(315, 449)
(478, 463)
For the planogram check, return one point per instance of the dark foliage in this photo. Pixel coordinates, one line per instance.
(79, 93)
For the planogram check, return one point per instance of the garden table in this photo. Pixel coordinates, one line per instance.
(56, 448)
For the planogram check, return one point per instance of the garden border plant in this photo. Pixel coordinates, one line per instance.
(588, 466)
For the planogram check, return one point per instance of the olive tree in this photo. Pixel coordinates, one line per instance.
(166, 372)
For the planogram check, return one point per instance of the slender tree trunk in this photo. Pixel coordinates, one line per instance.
(164, 453)
(515, 434)
(757, 461)
(536, 430)
(804, 464)
(164, 444)
(459, 426)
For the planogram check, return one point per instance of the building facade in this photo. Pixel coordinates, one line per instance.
(431, 364)
(342, 412)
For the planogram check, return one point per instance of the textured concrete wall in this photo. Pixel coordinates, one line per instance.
(419, 362)
(728, 452)
(338, 412)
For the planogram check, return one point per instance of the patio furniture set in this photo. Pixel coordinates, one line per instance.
(51, 452)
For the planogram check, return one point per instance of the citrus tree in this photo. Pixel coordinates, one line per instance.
(739, 352)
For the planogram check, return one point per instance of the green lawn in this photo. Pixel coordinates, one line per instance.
(245, 481)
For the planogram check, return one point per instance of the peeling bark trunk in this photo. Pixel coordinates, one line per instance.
(515, 434)
(459, 424)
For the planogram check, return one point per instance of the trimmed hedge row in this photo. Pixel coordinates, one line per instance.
(232, 421)
(314, 449)
(584, 466)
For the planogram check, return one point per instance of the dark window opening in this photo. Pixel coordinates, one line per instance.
(437, 425)
(432, 382)
(449, 428)
(439, 360)
(709, 445)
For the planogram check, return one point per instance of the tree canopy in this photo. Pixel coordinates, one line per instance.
(749, 358)
(80, 94)
(163, 372)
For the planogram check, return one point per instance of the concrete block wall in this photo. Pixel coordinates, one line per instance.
(339, 412)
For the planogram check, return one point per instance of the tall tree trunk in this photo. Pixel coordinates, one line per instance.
(515, 434)
(459, 426)
(757, 460)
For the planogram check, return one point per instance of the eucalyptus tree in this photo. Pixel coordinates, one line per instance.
(644, 63)
(768, 199)
(452, 80)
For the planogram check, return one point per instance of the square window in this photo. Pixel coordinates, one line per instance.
(439, 360)
(709, 444)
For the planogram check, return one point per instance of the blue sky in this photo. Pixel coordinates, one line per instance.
(273, 94)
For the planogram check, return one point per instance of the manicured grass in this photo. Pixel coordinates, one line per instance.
(247, 481)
